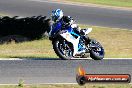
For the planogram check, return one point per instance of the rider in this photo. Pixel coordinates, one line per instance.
(57, 16)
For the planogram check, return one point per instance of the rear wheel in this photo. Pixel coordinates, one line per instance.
(96, 50)
(63, 48)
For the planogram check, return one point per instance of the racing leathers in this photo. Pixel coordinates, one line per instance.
(65, 21)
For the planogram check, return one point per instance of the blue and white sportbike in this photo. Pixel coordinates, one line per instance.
(68, 43)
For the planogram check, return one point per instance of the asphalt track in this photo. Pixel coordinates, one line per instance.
(63, 71)
(40, 71)
(107, 17)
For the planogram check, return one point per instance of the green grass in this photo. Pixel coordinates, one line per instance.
(73, 86)
(32, 49)
(117, 44)
(121, 3)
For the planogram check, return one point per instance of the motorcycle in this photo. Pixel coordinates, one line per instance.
(68, 43)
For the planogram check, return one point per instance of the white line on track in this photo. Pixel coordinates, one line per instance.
(71, 59)
(11, 59)
(103, 59)
(47, 1)
(41, 84)
(107, 27)
(113, 28)
(56, 84)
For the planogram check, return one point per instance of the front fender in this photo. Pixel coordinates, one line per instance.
(74, 41)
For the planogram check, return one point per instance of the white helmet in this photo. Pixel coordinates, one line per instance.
(57, 14)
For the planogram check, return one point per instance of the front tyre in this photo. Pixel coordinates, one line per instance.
(63, 48)
(96, 50)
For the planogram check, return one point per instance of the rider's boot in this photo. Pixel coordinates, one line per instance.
(83, 32)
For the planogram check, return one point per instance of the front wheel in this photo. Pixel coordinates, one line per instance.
(96, 50)
(63, 48)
